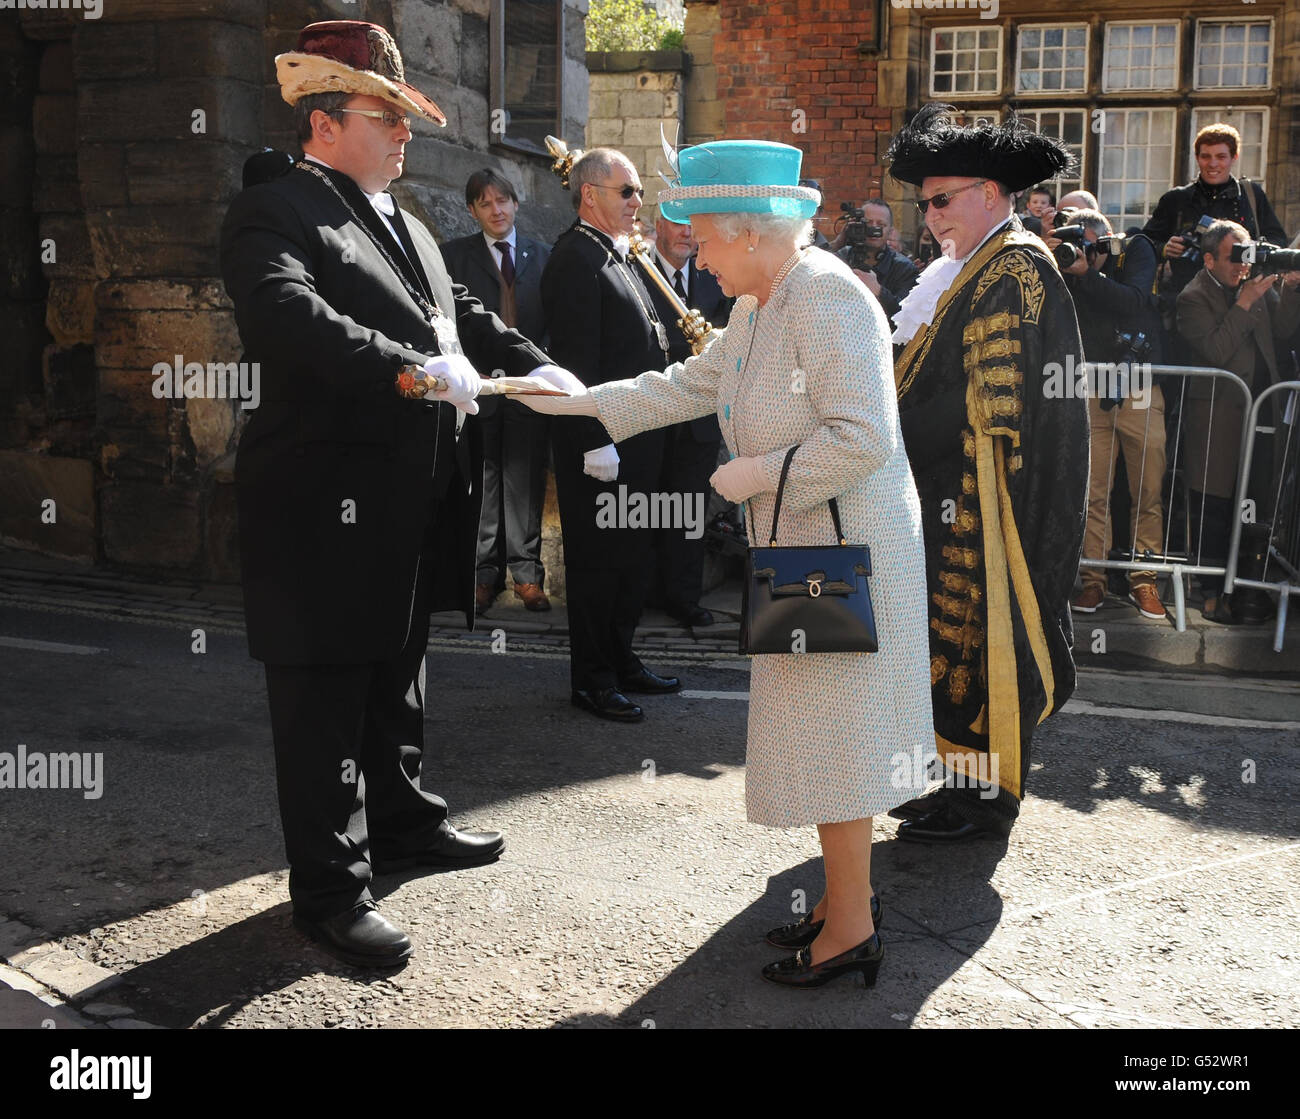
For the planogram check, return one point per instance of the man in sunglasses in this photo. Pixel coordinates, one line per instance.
(602, 324)
(357, 487)
(1000, 457)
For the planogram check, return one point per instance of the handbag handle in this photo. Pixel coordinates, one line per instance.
(780, 493)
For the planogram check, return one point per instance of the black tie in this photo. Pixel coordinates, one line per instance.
(678, 286)
(507, 265)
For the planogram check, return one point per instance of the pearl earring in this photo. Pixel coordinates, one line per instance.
(751, 248)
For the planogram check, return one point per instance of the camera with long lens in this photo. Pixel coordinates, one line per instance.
(1075, 245)
(857, 232)
(1266, 259)
(1133, 347)
(1192, 252)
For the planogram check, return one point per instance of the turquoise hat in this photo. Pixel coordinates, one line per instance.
(738, 176)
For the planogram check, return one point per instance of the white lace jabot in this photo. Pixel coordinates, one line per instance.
(917, 309)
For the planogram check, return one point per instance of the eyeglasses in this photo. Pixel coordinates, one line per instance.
(940, 201)
(390, 118)
(625, 192)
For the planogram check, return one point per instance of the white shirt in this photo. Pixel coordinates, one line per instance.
(382, 202)
(621, 242)
(497, 255)
(671, 271)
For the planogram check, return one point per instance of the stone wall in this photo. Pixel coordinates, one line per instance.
(123, 139)
(633, 95)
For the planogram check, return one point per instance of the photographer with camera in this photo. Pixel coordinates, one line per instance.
(1112, 283)
(1177, 225)
(862, 242)
(1228, 318)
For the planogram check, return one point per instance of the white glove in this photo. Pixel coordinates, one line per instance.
(602, 463)
(559, 378)
(739, 479)
(463, 381)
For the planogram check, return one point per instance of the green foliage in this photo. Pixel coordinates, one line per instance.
(628, 25)
(672, 40)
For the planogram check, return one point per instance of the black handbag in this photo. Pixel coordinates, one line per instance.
(807, 599)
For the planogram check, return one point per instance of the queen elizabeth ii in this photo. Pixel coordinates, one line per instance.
(805, 361)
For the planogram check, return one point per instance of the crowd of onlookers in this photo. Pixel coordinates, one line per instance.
(1175, 291)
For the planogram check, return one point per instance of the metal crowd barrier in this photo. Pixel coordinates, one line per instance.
(1283, 547)
(1188, 562)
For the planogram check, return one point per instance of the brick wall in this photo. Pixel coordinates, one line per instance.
(798, 72)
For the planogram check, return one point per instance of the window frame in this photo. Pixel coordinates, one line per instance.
(1119, 211)
(496, 78)
(1272, 54)
(971, 94)
(1086, 113)
(1176, 24)
(1087, 48)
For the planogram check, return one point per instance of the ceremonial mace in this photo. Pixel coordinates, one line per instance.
(690, 322)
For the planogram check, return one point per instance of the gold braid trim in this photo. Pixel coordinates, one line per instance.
(1020, 267)
(914, 353)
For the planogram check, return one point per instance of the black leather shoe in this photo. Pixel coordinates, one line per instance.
(451, 848)
(799, 970)
(608, 703)
(942, 825)
(805, 930)
(692, 615)
(920, 806)
(360, 937)
(646, 682)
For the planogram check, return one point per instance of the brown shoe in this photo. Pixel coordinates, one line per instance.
(1092, 597)
(534, 597)
(484, 596)
(1144, 597)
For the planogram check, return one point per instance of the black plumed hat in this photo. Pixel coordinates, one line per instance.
(1010, 153)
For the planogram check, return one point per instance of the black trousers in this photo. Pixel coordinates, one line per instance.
(606, 566)
(679, 559)
(349, 740)
(515, 448)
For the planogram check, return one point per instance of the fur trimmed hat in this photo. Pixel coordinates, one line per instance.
(1012, 154)
(350, 56)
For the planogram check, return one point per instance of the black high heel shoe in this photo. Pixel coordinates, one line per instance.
(804, 931)
(799, 970)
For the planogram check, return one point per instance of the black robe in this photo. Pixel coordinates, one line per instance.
(998, 441)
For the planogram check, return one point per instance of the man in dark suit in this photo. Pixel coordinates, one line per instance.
(602, 325)
(503, 270)
(358, 504)
(691, 448)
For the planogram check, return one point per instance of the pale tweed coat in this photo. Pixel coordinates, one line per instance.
(832, 736)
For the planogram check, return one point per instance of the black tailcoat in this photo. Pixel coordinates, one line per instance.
(597, 320)
(330, 324)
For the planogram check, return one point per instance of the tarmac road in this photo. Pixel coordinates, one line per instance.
(1149, 881)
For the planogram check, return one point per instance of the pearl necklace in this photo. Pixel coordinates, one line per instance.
(784, 271)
